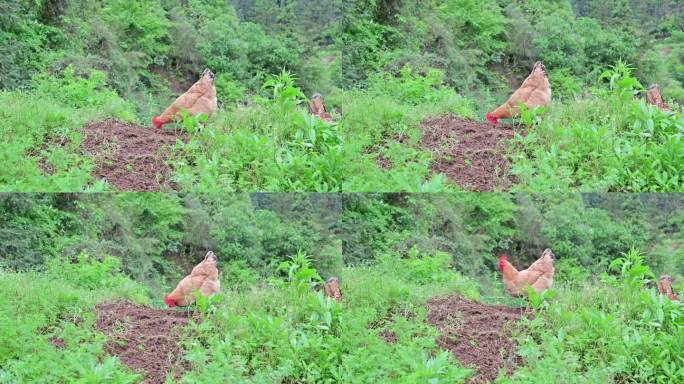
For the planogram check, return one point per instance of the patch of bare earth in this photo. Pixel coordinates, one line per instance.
(129, 156)
(470, 153)
(57, 342)
(144, 338)
(389, 336)
(478, 335)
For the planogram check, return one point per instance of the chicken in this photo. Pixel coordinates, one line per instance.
(534, 92)
(204, 277)
(200, 98)
(332, 289)
(654, 98)
(539, 275)
(317, 108)
(664, 285)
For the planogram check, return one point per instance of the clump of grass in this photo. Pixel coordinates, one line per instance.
(605, 142)
(36, 308)
(612, 331)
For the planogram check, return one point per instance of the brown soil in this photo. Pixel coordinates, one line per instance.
(383, 162)
(471, 153)
(129, 156)
(57, 342)
(145, 339)
(478, 335)
(389, 336)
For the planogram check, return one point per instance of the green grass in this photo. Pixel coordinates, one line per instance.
(280, 330)
(44, 125)
(35, 308)
(604, 334)
(604, 141)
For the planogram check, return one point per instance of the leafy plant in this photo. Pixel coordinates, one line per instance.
(192, 124)
(530, 117)
(299, 271)
(206, 304)
(540, 301)
(632, 268)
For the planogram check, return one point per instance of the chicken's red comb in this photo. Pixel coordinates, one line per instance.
(502, 259)
(156, 122)
(169, 301)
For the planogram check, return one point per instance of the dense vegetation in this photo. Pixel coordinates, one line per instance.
(152, 234)
(385, 65)
(605, 323)
(595, 138)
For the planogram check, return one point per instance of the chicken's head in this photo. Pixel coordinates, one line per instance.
(208, 74)
(211, 257)
(502, 261)
(492, 119)
(169, 301)
(156, 122)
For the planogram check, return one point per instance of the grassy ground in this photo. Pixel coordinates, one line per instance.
(609, 329)
(604, 141)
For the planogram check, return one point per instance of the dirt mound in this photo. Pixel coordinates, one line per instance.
(470, 153)
(477, 334)
(145, 339)
(129, 156)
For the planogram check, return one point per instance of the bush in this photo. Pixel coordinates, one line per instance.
(75, 91)
(249, 59)
(87, 272)
(29, 228)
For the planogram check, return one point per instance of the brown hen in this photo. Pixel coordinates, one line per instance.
(200, 98)
(534, 92)
(539, 275)
(204, 278)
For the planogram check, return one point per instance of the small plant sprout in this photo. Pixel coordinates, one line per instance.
(530, 117)
(206, 304)
(540, 301)
(299, 271)
(631, 267)
(192, 124)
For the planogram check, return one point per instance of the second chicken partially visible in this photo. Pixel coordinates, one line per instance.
(539, 275)
(200, 98)
(204, 278)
